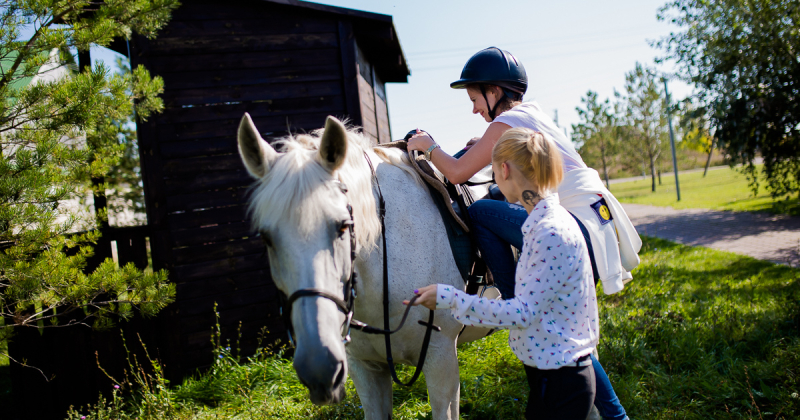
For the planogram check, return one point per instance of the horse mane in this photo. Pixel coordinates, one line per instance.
(290, 184)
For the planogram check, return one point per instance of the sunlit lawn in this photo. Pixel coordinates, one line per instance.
(698, 334)
(721, 189)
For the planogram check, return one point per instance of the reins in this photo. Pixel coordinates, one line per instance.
(428, 326)
(350, 295)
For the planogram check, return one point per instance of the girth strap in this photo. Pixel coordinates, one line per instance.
(388, 338)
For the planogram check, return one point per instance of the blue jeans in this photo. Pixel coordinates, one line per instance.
(497, 226)
(606, 399)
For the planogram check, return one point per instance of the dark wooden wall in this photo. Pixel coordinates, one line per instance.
(372, 96)
(284, 66)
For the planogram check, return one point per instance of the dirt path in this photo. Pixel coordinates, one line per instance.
(759, 235)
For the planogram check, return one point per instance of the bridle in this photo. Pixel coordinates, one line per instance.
(346, 305)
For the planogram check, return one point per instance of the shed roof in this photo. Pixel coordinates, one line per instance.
(376, 37)
(374, 32)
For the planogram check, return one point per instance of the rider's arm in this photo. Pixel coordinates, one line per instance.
(475, 159)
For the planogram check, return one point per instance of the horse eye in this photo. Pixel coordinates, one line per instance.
(265, 239)
(344, 227)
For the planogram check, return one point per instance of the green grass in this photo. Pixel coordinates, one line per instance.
(704, 334)
(721, 189)
(698, 334)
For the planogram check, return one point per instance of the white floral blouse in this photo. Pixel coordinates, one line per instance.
(553, 315)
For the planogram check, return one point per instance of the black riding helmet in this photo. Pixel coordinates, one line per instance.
(494, 66)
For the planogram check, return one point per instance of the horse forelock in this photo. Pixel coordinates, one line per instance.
(291, 191)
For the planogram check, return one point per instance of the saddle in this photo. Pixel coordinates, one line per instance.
(452, 200)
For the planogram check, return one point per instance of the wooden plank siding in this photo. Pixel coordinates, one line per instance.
(372, 100)
(277, 125)
(257, 108)
(285, 69)
(382, 113)
(367, 95)
(381, 109)
(347, 47)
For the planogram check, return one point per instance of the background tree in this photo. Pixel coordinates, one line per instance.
(55, 135)
(742, 56)
(596, 133)
(694, 129)
(644, 120)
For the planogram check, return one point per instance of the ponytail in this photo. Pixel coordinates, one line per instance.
(534, 154)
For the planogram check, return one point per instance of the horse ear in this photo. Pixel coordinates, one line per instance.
(333, 146)
(257, 155)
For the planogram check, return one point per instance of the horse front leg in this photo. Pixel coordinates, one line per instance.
(441, 376)
(374, 386)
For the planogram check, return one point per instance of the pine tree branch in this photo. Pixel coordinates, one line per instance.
(23, 364)
(21, 56)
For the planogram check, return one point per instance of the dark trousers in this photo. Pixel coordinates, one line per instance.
(563, 394)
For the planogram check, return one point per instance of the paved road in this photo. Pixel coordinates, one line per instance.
(759, 235)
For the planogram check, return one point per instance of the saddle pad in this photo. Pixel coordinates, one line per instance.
(457, 231)
(460, 242)
(431, 177)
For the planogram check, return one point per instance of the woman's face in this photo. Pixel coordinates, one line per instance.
(479, 105)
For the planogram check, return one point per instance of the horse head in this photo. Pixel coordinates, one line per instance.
(300, 208)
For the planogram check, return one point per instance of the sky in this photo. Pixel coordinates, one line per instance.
(567, 47)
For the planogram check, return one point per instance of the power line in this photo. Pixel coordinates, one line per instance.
(543, 57)
(562, 40)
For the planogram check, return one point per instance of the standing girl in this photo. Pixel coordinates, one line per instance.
(553, 313)
(495, 82)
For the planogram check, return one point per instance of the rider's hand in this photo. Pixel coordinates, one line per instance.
(426, 296)
(420, 141)
(471, 142)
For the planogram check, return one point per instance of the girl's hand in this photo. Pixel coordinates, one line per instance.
(420, 141)
(471, 142)
(426, 296)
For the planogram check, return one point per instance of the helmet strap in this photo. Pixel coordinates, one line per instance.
(492, 109)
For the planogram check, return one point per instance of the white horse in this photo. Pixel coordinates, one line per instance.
(301, 211)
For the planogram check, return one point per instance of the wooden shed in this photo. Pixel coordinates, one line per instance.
(289, 64)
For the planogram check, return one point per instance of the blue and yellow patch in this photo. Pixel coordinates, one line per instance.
(601, 210)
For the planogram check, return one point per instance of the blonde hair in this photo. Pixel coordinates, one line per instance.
(534, 154)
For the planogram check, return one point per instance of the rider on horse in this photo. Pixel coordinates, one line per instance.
(496, 81)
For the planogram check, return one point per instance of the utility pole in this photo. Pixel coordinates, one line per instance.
(672, 140)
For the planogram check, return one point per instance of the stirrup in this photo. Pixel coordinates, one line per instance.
(474, 284)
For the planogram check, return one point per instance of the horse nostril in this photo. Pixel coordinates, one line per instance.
(339, 377)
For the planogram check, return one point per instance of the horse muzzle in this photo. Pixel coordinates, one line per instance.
(323, 375)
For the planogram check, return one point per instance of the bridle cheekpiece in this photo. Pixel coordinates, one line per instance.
(346, 305)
